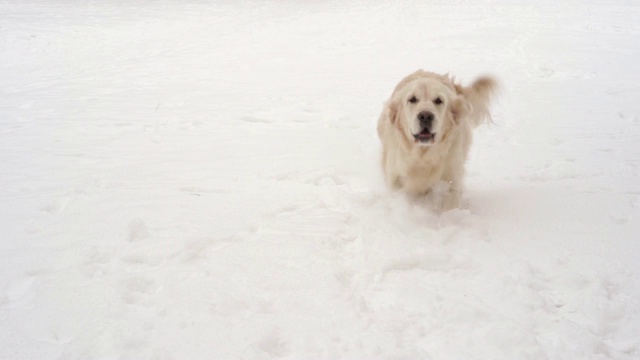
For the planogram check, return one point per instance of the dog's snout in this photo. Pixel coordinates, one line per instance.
(425, 118)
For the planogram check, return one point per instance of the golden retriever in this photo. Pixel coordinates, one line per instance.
(425, 129)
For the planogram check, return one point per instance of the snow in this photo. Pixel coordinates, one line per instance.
(201, 180)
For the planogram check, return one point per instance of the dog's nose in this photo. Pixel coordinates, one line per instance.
(425, 118)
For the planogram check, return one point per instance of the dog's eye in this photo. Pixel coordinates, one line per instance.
(413, 100)
(438, 101)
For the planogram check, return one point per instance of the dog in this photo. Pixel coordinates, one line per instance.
(426, 131)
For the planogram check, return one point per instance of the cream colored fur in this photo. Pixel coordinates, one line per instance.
(416, 167)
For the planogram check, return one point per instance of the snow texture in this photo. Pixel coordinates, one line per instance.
(200, 180)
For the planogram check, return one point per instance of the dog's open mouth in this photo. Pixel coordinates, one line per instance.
(424, 136)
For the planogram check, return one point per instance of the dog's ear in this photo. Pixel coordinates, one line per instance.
(460, 107)
(393, 112)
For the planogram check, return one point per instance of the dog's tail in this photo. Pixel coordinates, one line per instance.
(479, 96)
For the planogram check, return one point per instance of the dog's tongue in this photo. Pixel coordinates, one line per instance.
(424, 134)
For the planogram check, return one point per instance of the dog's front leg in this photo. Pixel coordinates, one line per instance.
(453, 196)
(451, 199)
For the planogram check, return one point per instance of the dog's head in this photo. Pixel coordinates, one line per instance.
(425, 108)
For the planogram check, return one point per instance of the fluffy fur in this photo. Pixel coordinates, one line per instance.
(426, 131)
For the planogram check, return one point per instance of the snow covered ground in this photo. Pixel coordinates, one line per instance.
(200, 180)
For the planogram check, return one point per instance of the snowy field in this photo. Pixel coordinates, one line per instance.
(200, 180)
